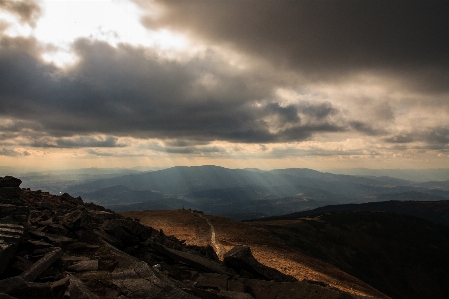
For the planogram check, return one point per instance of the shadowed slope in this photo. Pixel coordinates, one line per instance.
(400, 255)
(269, 250)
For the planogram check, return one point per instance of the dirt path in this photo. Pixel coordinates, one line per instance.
(219, 250)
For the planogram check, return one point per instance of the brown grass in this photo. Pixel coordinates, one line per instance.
(268, 250)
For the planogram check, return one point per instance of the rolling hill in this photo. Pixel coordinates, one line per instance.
(248, 193)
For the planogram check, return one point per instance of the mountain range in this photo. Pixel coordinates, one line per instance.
(248, 193)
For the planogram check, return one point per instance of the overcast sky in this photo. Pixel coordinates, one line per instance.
(268, 84)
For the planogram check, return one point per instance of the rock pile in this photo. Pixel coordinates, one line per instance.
(60, 247)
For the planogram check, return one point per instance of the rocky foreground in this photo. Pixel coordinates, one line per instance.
(60, 247)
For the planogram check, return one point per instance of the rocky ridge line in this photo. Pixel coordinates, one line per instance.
(60, 247)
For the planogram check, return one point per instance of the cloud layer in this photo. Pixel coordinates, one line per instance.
(326, 40)
(130, 91)
(266, 74)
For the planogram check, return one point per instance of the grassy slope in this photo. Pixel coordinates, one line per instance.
(267, 248)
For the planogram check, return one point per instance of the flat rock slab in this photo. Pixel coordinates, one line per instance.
(39, 244)
(52, 238)
(12, 213)
(192, 259)
(135, 279)
(140, 282)
(17, 287)
(7, 251)
(212, 280)
(78, 290)
(236, 295)
(82, 266)
(108, 238)
(10, 236)
(42, 264)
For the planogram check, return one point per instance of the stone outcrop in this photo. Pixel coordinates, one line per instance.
(60, 247)
(10, 236)
(10, 187)
(42, 264)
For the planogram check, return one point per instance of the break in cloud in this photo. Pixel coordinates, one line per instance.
(258, 79)
(26, 11)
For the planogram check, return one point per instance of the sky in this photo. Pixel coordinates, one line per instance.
(266, 84)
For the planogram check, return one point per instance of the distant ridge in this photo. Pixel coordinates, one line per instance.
(435, 211)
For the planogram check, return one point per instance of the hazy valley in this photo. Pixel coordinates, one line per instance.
(236, 193)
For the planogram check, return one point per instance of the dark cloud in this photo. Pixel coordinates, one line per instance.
(401, 138)
(99, 154)
(326, 40)
(287, 114)
(188, 149)
(305, 132)
(28, 11)
(435, 138)
(13, 153)
(438, 135)
(131, 91)
(366, 128)
(316, 152)
(72, 142)
(183, 143)
(319, 111)
(88, 141)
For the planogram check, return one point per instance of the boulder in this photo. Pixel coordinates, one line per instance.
(70, 199)
(51, 238)
(68, 260)
(213, 281)
(109, 238)
(78, 290)
(11, 193)
(193, 260)
(18, 288)
(135, 279)
(39, 244)
(9, 181)
(7, 252)
(236, 295)
(76, 219)
(12, 213)
(129, 232)
(59, 287)
(10, 188)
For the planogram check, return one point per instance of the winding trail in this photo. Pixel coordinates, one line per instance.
(219, 250)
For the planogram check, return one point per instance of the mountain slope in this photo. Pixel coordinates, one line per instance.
(436, 211)
(400, 255)
(267, 248)
(59, 247)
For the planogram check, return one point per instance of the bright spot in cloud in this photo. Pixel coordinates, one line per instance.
(112, 21)
(12, 28)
